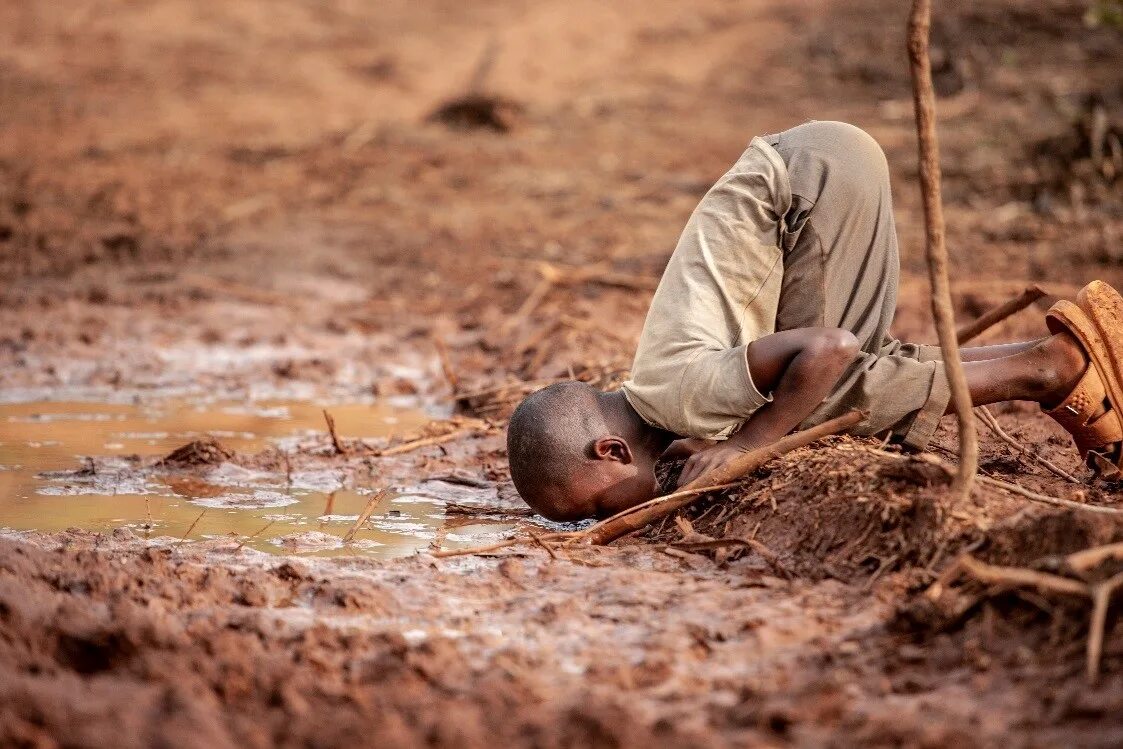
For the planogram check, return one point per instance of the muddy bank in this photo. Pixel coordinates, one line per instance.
(313, 204)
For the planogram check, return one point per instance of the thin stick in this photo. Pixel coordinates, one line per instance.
(1046, 499)
(1082, 561)
(364, 515)
(924, 99)
(329, 507)
(446, 365)
(1020, 577)
(767, 554)
(640, 516)
(1101, 600)
(533, 299)
(539, 542)
(339, 449)
(190, 528)
(499, 545)
(406, 447)
(247, 539)
(992, 423)
(288, 469)
(990, 480)
(995, 315)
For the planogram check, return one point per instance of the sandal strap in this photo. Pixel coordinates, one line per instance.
(1077, 414)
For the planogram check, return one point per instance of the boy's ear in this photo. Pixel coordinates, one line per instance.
(612, 448)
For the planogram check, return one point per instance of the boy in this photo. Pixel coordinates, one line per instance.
(773, 313)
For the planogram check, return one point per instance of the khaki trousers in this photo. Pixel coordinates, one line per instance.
(841, 267)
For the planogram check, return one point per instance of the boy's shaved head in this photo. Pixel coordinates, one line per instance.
(549, 440)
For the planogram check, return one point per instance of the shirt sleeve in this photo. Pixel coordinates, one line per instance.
(718, 392)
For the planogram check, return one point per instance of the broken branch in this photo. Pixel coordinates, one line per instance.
(997, 314)
(1019, 577)
(446, 365)
(640, 516)
(1082, 561)
(992, 423)
(339, 449)
(500, 545)
(406, 447)
(1101, 599)
(364, 515)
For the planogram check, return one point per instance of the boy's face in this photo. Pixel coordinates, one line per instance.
(617, 478)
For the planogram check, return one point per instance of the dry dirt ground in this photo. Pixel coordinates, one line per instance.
(317, 196)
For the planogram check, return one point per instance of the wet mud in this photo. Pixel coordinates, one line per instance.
(216, 223)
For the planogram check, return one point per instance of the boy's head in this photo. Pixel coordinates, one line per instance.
(577, 453)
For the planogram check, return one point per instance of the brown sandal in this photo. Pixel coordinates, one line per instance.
(1091, 412)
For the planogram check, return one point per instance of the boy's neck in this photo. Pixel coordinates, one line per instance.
(622, 418)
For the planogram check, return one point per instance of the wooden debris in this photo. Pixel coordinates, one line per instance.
(254, 535)
(454, 508)
(1021, 578)
(190, 528)
(997, 314)
(502, 545)
(641, 515)
(339, 448)
(417, 444)
(446, 365)
(1082, 561)
(1047, 499)
(1101, 599)
(924, 100)
(992, 423)
(368, 510)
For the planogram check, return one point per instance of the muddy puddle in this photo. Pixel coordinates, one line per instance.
(89, 465)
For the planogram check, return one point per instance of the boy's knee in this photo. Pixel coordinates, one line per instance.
(860, 148)
(834, 348)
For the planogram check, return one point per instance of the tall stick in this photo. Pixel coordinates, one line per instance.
(924, 99)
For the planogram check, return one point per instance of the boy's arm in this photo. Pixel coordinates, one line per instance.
(800, 367)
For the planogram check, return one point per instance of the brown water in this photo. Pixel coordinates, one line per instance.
(42, 443)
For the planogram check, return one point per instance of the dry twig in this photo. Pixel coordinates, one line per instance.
(997, 314)
(924, 99)
(709, 544)
(364, 515)
(406, 447)
(1020, 577)
(992, 423)
(1047, 499)
(1101, 599)
(190, 528)
(254, 535)
(339, 449)
(639, 516)
(539, 542)
(1082, 561)
(451, 377)
(501, 545)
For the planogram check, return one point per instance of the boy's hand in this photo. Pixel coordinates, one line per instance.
(685, 447)
(707, 460)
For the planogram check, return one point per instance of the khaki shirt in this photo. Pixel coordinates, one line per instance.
(720, 292)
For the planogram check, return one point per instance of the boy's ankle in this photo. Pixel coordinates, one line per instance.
(1066, 364)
